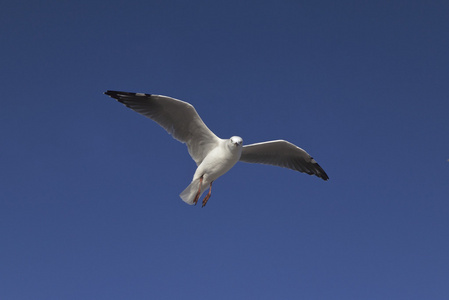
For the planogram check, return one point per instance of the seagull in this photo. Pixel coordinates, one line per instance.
(213, 156)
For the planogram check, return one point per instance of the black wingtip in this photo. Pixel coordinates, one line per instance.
(323, 176)
(114, 94)
(119, 94)
(319, 172)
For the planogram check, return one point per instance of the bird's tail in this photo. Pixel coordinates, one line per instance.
(188, 195)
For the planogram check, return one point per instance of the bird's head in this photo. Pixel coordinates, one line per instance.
(236, 141)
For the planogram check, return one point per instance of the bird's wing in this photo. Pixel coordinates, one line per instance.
(177, 117)
(283, 154)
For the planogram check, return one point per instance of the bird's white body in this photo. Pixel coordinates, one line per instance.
(216, 163)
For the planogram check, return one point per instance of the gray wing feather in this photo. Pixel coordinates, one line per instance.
(283, 154)
(177, 117)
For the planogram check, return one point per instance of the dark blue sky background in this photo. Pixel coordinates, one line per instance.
(89, 205)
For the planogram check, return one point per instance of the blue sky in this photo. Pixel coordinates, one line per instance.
(89, 205)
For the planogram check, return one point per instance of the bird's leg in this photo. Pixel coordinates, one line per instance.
(195, 201)
(207, 196)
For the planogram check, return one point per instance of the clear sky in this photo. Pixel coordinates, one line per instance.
(89, 205)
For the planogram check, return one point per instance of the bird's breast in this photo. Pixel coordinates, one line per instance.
(217, 162)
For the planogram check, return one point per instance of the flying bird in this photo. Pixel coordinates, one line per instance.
(213, 156)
